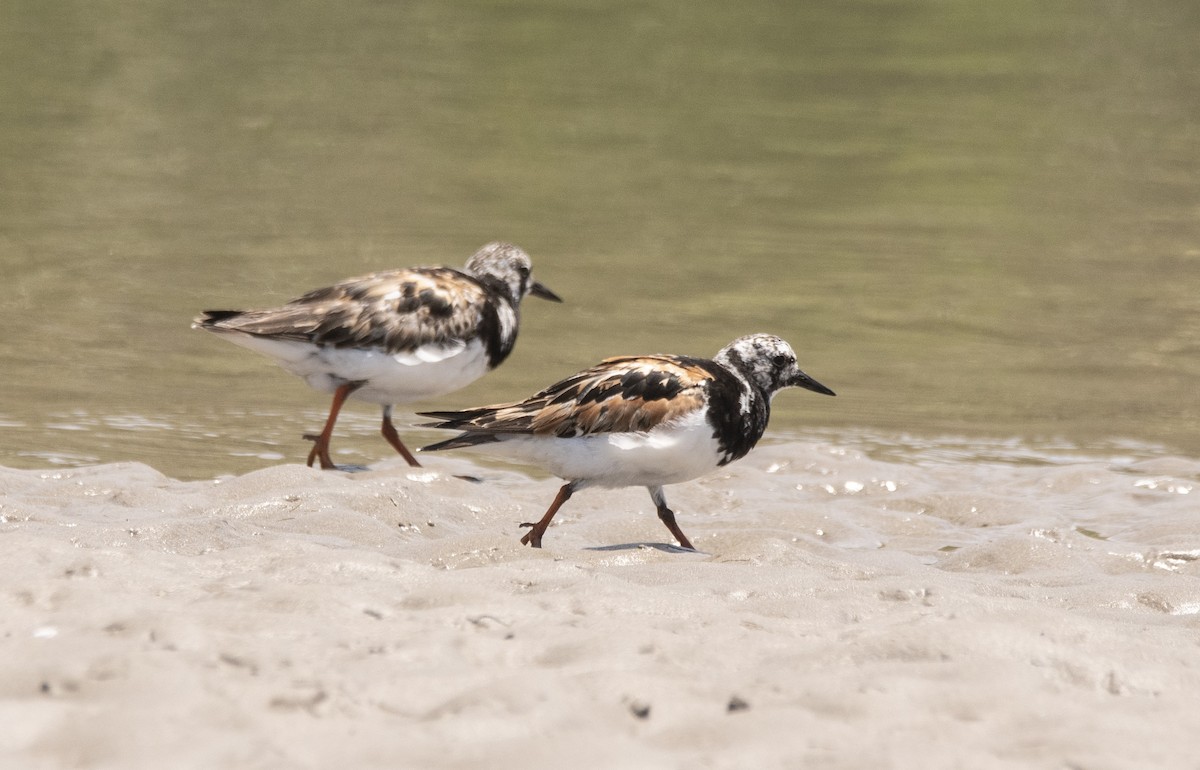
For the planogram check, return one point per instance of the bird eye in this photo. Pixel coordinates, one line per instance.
(780, 361)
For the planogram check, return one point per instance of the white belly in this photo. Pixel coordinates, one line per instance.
(390, 378)
(682, 452)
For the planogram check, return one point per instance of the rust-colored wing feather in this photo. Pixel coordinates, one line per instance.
(397, 310)
(618, 395)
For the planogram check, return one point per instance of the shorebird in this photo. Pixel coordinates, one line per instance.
(637, 421)
(392, 337)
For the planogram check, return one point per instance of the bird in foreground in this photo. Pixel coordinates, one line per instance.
(392, 337)
(637, 421)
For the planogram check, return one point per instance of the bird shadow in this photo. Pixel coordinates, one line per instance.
(353, 468)
(664, 547)
(350, 468)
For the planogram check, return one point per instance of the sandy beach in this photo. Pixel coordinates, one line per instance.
(846, 612)
(978, 223)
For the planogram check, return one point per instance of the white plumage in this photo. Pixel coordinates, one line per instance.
(393, 337)
(638, 421)
(667, 454)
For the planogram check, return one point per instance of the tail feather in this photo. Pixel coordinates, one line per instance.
(464, 419)
(447, 417)
(460, 441)
(210, 318)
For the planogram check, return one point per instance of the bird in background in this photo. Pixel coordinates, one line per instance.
(392, 337)
(637, 421)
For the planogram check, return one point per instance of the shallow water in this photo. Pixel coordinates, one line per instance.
(975, 222)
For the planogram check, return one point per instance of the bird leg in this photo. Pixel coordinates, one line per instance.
(667, 516)
(389, 432)
(320, 441)
(534, 536)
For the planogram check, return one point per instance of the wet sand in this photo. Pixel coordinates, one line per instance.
(846, 612)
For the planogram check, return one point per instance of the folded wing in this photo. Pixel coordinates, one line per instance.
(619, 395)
(398, 311)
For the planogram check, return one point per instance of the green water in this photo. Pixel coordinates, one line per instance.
(972, 220)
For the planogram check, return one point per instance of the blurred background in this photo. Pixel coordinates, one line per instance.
(979, 223)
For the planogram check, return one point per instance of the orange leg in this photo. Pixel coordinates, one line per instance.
(667, 516)
(320, 448)
(389, 432)
(534, 536)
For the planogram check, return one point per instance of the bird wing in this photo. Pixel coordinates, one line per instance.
(619, 395)
(397, 310)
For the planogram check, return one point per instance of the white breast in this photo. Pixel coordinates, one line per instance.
(428, 371)
(679, 452)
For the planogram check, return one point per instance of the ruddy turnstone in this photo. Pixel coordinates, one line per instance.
(392, 337)
(638, 421)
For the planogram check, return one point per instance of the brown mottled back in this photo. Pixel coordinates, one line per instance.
(396, 310)
(618, 395)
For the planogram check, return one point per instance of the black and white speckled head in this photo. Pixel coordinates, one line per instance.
(510, 269)
(768, 363)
